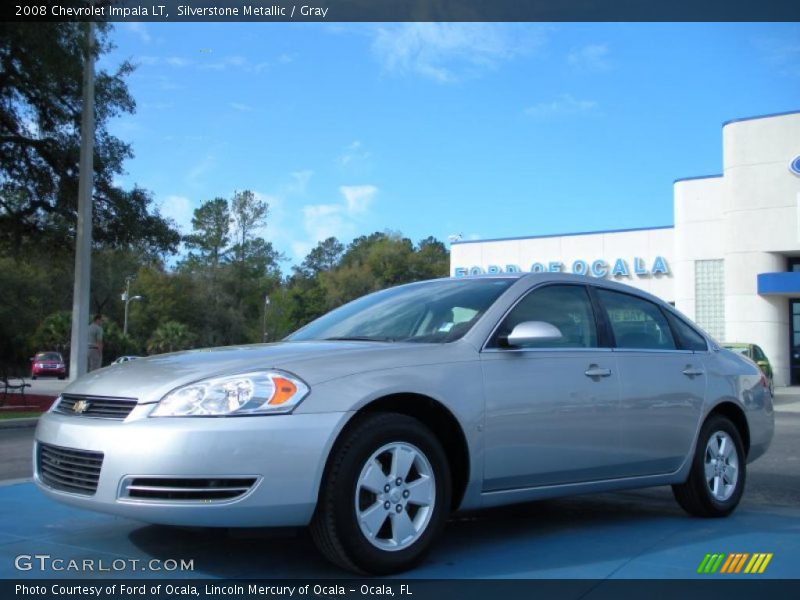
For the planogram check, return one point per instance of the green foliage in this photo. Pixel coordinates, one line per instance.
(331, 276)
(41, 66)
(170, 336)
(211, 227)
(115, 344)
(54, 333)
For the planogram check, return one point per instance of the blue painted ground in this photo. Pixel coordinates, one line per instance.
(639, 534)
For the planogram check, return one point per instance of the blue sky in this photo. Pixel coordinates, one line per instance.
(484, 130)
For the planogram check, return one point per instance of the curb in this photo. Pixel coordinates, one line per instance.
(18, 423)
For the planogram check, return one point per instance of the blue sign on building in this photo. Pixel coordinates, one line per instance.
(794, 166)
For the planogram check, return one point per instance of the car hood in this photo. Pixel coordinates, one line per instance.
(149, 379)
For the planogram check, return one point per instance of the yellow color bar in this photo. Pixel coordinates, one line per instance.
(765, 563)
(757, 566)
(751, 566)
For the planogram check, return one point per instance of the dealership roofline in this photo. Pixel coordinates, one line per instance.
(768, 116)
(555, 235)
(716, 175)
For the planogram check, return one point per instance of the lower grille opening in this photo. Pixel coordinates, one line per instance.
(187, 489)
(68, 469)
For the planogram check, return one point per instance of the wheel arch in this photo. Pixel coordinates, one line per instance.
(736, 415)
(438, 418)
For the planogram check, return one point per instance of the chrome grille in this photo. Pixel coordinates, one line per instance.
(98, 407)
(68, 469)
(186, 489)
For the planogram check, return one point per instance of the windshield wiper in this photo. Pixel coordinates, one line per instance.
(357, 338)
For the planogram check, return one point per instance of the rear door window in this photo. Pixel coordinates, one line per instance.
(635, 322)
(688, 337)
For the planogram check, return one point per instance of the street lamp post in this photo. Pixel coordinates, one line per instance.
(127, 298)
(264, 324)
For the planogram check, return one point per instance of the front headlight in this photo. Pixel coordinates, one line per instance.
(257, 393)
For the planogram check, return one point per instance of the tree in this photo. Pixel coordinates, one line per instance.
(325, 256)
(249, 213)
(431, 259)
(54, 332)
(211, 225)
(170, 336)
(41, 68)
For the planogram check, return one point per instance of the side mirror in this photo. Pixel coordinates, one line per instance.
(529, 332)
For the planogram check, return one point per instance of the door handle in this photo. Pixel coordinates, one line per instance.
(595, 371)
(690, 371)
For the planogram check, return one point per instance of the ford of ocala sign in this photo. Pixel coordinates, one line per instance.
(618, 268)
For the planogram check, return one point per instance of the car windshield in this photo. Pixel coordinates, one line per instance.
(48, 356)
(432, 311)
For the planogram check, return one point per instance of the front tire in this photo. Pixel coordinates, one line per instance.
(716, 480)
(385, 495)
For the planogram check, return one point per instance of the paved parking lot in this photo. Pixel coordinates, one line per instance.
(639, 534)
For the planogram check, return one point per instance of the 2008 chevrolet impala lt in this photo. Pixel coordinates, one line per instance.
(376, 421)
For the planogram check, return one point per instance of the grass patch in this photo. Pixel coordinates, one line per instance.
(18, 414)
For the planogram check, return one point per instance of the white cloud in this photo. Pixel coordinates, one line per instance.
(340, 219)
(352, 153)
(180, 210)
(565, 104)
(358, 197)
(322, 221)
(226, 63)
(177, 61)
(140, 30)
(299, 181)
(171, 61)
(448, 52)
(199, 169)
(238, 106)
(593, 57)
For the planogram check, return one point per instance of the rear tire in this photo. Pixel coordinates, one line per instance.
(385, 495)
(717, 477)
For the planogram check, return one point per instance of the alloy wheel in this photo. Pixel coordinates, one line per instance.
(395, 496)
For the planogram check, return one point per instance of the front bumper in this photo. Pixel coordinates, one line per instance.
(41, 372)
(285, 453)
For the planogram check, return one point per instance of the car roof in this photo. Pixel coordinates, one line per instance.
(530, 279)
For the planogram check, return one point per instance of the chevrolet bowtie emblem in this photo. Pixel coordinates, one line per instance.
(80, 406)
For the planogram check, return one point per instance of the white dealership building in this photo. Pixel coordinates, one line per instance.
(731, 261)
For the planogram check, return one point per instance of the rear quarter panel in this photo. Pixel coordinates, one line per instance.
(733, 378)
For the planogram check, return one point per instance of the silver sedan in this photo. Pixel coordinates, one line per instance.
(375, 422)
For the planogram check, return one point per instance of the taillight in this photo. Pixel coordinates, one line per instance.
(764, 380)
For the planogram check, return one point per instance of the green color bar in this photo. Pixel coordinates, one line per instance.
(701, 568)
(718, 563)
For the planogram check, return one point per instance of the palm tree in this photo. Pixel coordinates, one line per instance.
(54, 332)
(170, 336)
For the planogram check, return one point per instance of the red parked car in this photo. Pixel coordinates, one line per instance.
(48, 364)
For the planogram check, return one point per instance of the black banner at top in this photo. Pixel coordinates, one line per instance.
(401, 10)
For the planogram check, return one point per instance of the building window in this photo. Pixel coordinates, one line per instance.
(709, 296)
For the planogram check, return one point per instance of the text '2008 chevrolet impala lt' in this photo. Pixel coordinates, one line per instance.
(376, 421)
